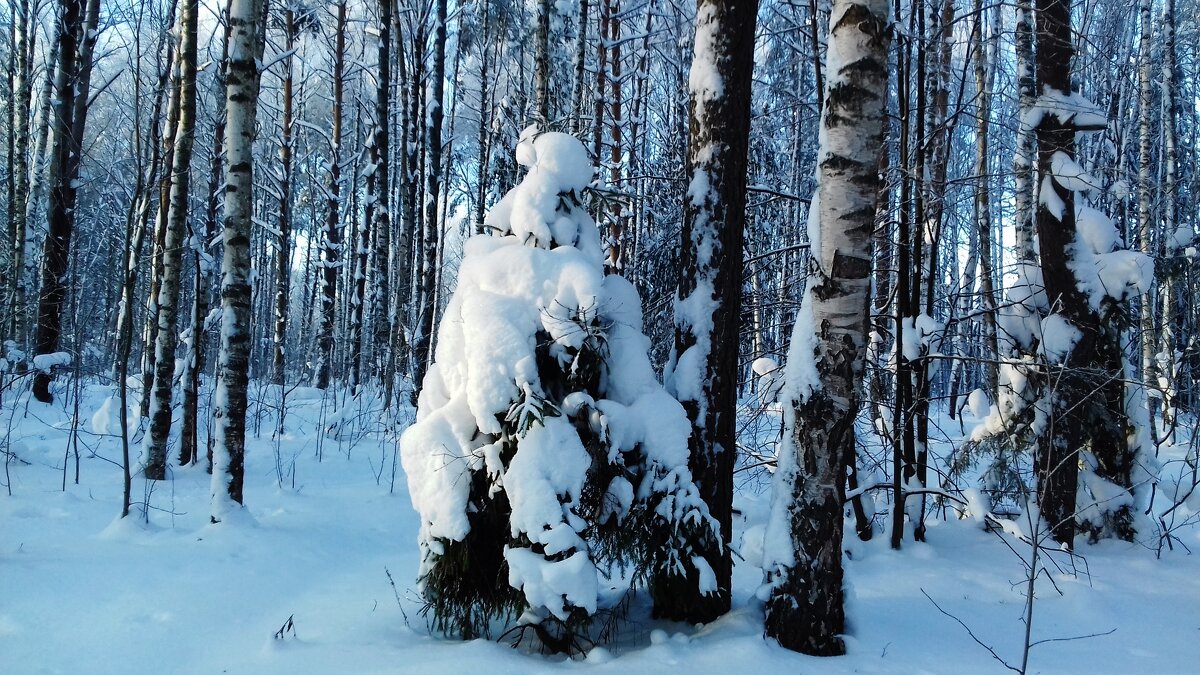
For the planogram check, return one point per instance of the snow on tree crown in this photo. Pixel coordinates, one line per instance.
(545, 209)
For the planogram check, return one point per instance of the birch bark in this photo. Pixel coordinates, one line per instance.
(823, 386)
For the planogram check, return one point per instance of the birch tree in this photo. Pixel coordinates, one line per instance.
(206, 265)
(1023, 159)
(241, 110)
(1149, 346)
(1171, 334)
(805, 610)
(378, 195)
(427, 288)
(23, 44)
(159, 239)
(168, 297)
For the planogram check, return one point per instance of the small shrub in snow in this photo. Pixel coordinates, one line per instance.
(545, 453)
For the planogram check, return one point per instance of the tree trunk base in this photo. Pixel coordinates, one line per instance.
(678, 598)
(41, 388)
(808, 617)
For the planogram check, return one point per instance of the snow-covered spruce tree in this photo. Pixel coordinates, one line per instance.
(823, 380)
(544, 450)
(1065, 393)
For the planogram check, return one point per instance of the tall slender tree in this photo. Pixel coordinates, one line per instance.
(805, 610)
(205, 269)
(331, 238)
(10, 178)
(283, 221)
(233, 363)
(1145, 197)
(1086, 390)
(379, 195)
(984, 81)
(77, 35)
(177, 215)
(703, 370)
(19, 108)
(427, 306)
(159, 240)
(1023, 159)
(1171, 333)
(541, 72)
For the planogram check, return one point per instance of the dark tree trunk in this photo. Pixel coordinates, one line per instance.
(283, 253)
(705, 360)
(159, 243)
(542, 65)
(205, 268)
(580, 67)
(1087, 392)
(177, 214)
(428, 301)
(377, 204)
(332, 242)
(76, 40)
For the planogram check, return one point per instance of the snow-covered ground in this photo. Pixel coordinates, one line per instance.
(82, 592)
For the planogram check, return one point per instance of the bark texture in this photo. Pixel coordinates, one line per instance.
(283, 223)
(805, 610)
(1086, 391)
(76, 43)
(379, 195)
(708, 303)
(19, 106)
(1023, 159)
(168, 296)
(427, 292)
(331, 245)
(233, 363)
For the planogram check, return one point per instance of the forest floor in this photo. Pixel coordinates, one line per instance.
(82, 591)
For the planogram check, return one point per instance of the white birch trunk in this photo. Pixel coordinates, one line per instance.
(177, 213)
(1023, 159)
(1169, 364)
(803, 558)
(1148, 342)
(229, 405)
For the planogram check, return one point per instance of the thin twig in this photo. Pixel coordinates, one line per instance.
(396, 592)
(971, 633)
(1068, 639)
